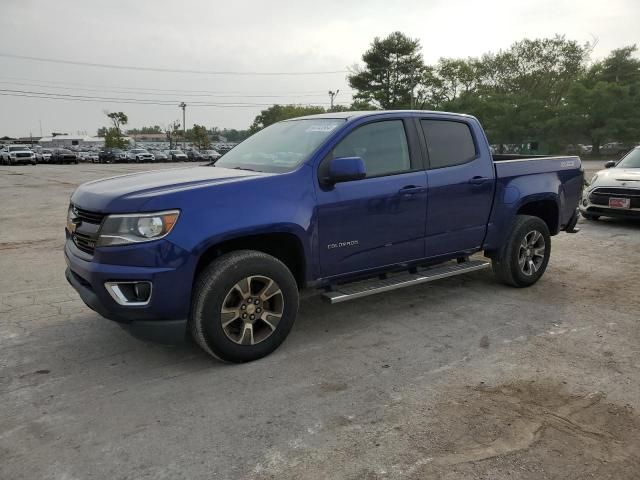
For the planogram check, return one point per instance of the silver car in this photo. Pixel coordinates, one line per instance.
(614, 191)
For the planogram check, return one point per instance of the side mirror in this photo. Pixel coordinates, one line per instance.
(346, 169)
(610, 163)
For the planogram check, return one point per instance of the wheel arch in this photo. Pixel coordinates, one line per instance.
(285, 246)
(545, 207)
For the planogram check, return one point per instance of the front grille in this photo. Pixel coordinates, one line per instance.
(86, 236)
(617, 192)
(87, 216)
(86, 243)
(23, 154)
(600, 196)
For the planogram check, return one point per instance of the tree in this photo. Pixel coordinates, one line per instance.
(118, 119)
(393, 68)
(277, 113)
(172, 132)
(199, 136)
(145, 130)
(113, 137)
(604, 105)
(517, 93)
(232, 135)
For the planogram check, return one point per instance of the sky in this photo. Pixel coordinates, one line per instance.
(254, 38)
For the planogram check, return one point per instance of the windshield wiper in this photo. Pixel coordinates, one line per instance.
(245, 168)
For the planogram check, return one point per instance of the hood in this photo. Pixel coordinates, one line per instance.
(618, 177)
(133, 190)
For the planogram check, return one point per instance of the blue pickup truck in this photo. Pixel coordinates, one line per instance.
(352, 204)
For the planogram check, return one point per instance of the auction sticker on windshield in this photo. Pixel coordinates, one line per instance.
(321, 127)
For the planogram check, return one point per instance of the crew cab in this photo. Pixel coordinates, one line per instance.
(17, 154)
(351, 204)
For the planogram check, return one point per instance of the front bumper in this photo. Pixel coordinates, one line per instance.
(611, 212)
(163, 319)
(587, 207)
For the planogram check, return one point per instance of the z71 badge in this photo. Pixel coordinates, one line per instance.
(350, 243)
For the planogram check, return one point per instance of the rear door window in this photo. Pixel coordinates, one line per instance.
(448, 143)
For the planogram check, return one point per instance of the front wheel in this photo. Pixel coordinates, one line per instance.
(525, 256)
(244, 305)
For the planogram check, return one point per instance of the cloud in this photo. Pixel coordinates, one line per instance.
(257, 36)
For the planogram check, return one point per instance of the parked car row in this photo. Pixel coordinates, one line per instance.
(142, 155)
(32, 155)
(24, 155)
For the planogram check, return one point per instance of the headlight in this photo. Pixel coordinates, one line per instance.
(136, 228)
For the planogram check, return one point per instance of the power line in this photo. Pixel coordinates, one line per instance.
(176, 91)
(162, 93)
(164, 70)
(82, 98)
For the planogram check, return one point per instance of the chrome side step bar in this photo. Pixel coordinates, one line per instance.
(350, 291)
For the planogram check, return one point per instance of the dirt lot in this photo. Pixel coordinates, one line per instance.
(462, 378)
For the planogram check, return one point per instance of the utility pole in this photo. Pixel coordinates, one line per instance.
(183, 106)
(332, 96)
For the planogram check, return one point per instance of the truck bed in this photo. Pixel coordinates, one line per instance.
(519, 178)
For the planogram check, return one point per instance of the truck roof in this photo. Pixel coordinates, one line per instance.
(370, 113)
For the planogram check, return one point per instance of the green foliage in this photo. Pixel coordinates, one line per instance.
(393, 67)
(231, 134)
(118, 119)
(113, 139)
(145, 130)
(539, 90)
(604, 105)
(276, 113)
(199, 136)
(173, 133)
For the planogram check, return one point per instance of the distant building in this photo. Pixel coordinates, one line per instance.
(149, 137)
(66, 141)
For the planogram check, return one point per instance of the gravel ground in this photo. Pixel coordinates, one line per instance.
(462, 378)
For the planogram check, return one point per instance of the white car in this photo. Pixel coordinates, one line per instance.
(614, 191)
(140, 155)
(17, 154)
(210, 155)
(177, 155)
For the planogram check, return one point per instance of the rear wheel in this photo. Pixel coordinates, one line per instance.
(525, 256)
(244, 306)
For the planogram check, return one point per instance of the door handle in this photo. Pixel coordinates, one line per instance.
(477, 180)
(411, 190)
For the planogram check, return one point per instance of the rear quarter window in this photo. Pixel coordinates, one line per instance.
(448, 143)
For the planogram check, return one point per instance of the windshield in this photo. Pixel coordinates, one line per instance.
(18, 148)
(280, 147)
(632, 160)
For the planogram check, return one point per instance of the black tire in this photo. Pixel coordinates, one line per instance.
(506, 263)
(590, 217)
(212, 289)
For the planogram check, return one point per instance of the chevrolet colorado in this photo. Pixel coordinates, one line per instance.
(352, 203)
